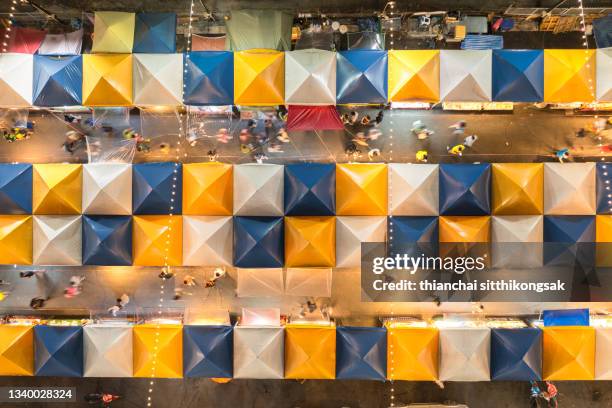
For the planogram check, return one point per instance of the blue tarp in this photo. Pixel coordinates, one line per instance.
(208, 351)
(465, 189)
(107, 240)
(602, 31)
(152, 188)
(567, 317)
(569, 240)
(361, 353)
(482, 42)
(209, 79)
(516, 354)
(58, 351)
(361, 77)
(518, 75)
(15, 188)
(155, 33)
(604, 173)
(310, 189)
(58, 81)
(259, 242)
(413, 235)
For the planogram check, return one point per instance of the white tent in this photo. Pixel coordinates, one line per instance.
(603, 78)
(207, 240)
(258, 189)
(158, 79)
(62, 44)
(465, 75)
(415, 189)
(57, 240)
(310, 77)
(107, 351)
(259, 352)
(517, 241)
(465, 354)
(107, 189)
(260, 316)
(569, 188)
(16, 79)
(312, 282)
(603, 351)
(260, 282)
(351, 231)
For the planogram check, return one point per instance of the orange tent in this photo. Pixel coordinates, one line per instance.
(208, 189)
(568, 353)
(310, 241)
(414, 75)
(16, 350)
(518, 188)
(157, 236)
(361, 189)
(310, 352)
(16, 239)
(57, 189)
(412, 353)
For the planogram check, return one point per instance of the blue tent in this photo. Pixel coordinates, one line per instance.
(604, 174)
(413, 235)
(155, 33)
(107, 240)
(569, 240)
(310, 189)
(58, 351)
(465, 189)
(361, 353)
(58, 81)
(516, 354)
(361, 77)
(15, 188)
(566, 317)
(602, 31)
(209, 79)
(259, 242)
(518, 75)
(208, 351)
(152, 187)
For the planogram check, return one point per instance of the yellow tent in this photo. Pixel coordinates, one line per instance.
(16, 350)
(518, 188)
(569, 76)
(57, 189)
(208, 189)
(310, 352)
(150, 240)
(310, 241)
(414, 75)
(113, 32)
(107, 80)
(259, 77)
(568, 353)
(412, 353)
(465, 228)
(361, 189)
(603, 239)
(158, 351)
(16, 239)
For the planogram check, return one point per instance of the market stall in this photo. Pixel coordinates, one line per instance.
(258, 242)
(259, 282)
(58, 81)
(208, 351)
(310, 189)
(150, 233)
(113, 32)
(207, 240)
(57, 240)
(16, 239)
(155, 33)
(58, 351)
(310, 77)
(361, 189)
(311, 282)
(351, 231)
(158, 79)
(57, 189)
(569, 188)
(361, 77)
(15, 188)
(517, 241)
(107, 80)
(258, 189)
(465, 353)
(516, 354)
(415, 347)
(518, 75)
(107, 240)
(517, 188)
(107, 350)
(415, 189)
(259, 351)
(310, 241)
(208, 188)
(465, 75)
(414, 76)
(361, 353)
(16, 80)
(107, 189)
(465, 189)
(152, 188)
(16, 350)
(259, 77)
(568, 353)
(568, 75)
(310, 351)
(209, 78)
(158, 350)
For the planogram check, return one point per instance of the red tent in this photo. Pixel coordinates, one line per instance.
(23, 40)
(303, 117)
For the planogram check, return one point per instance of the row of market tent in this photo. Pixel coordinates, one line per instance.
(305, 77)
(302, 215)
(304, 189)
(146, 32)
(307, 351)
(295, 242)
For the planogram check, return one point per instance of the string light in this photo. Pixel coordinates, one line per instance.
(173, 192)
(7, 36)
